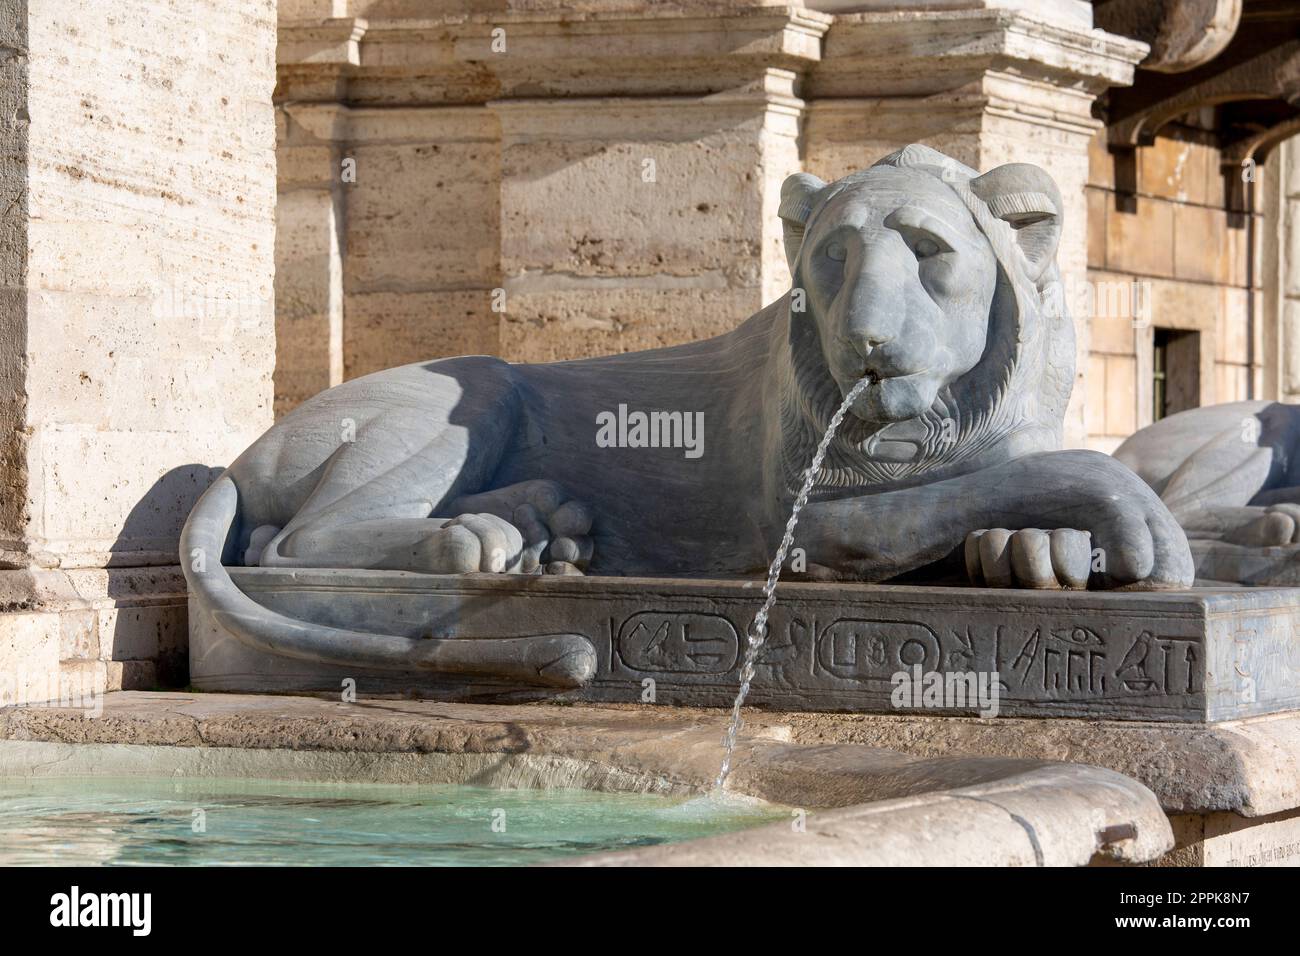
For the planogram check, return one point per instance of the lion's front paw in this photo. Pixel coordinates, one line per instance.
(1278, 525)
(555, 527)
(1137, 544)
(471, 542)
(1029, 558)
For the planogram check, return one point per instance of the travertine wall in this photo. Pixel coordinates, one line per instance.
(1186, 242)
(136, 256)
(635, 224)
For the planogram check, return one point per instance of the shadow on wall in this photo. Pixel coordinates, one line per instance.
(148, 632)
(152, 528)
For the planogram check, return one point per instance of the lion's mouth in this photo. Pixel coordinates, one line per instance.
(872, 377)
(886, 398)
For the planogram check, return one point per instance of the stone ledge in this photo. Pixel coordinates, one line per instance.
(693, 50)
(1249, 767)
(685, 51)
(1195, 655)
(1020, 822)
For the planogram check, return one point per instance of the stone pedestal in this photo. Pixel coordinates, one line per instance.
(138, 194)
(1191, 693)
(1200, 655)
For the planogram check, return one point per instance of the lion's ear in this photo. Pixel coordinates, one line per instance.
(798, 197)
(1026, 198)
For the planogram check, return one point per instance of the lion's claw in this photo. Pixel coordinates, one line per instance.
(555, 527)
(1278, 525)
(1029, 558)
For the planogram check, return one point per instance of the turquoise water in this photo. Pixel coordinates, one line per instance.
(191, 822)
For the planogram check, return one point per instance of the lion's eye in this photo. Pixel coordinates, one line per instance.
(925, 248)
(836, 251)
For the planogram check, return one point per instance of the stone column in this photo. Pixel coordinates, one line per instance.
(551, 182)
(985, 85)
(137, 196)
(632, 224)
(311, 238)
(423, 251)
(639, 196)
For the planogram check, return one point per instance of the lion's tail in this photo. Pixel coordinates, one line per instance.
(555, 660)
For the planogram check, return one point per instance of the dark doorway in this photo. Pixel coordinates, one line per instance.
(1177, 372)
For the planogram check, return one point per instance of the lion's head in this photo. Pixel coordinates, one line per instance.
(937, 283)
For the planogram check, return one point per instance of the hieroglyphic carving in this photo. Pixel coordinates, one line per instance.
(677, 642)
(1040, 659)
(866, 650)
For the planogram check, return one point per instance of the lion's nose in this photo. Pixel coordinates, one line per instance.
(869, 327)
(875, 303)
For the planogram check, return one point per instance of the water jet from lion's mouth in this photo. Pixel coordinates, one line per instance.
(869, 377)
(756, 634)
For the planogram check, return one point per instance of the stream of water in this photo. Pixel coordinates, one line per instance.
(756, 635)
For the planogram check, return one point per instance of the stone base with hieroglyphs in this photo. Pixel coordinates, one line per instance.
(1201, 655)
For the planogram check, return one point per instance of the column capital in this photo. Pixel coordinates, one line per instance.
(921, 53)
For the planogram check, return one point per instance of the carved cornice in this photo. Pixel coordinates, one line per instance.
(687, 50)
(459, 59)
(920, 53)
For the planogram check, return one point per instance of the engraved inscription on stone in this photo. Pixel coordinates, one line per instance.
(1039, 659)
(868, 651)
(1160, 665)
(784, 646)
(678, 642)
(1056, 663)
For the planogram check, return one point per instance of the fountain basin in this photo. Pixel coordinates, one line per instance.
(204, 821)
(844, 804)
(1199, 655)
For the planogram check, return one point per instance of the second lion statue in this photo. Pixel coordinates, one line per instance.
(936, 283)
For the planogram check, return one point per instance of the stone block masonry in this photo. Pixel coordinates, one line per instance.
(137, 189)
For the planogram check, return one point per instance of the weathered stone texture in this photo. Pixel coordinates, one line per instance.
(147, 268)
(1180, 656)
(137, 264)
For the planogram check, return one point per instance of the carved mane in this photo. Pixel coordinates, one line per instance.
(1021, 383)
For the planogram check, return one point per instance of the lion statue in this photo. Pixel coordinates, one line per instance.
(931, 281)
(1230, 475)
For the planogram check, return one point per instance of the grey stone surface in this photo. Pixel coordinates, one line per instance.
(1203, 655)
(937, 284)
(1028, 823)
(897, 809)
(1230, 474)
(1248, 767)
